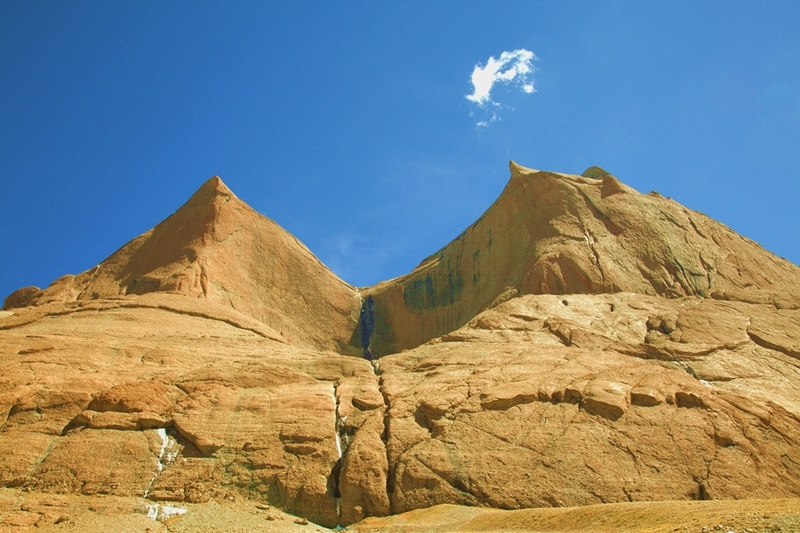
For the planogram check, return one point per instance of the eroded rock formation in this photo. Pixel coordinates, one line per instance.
(216, 248)
(580, 343)
(551, 233)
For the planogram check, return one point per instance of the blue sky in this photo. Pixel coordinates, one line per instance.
(348, 123)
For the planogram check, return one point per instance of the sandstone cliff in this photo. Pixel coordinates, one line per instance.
(581, 343)
(551, 233)
(218, 249)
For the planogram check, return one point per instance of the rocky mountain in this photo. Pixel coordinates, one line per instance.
(217, 249)
(551, 233)
(580, 343)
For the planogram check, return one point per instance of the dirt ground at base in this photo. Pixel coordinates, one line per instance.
(28, 511)
(54, 513)
(738, 516)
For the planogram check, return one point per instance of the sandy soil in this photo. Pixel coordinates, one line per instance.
(747, 516)
(25, 511)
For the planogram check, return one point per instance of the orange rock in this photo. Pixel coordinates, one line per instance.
(217, 248)
(551, 233)
(580, 343)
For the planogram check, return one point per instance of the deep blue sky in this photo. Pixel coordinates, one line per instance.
(347, 122)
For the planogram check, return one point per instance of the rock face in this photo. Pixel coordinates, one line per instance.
(569, 400)
(94, 393)
(551, 233)
(580, 343)
(218, 249)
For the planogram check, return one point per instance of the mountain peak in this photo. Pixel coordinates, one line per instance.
(209, 191)
(217, 184)
(548, 232)
(518, 170)
(555, 233)
(215, 247)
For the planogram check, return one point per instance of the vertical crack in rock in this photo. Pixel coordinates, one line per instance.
(167, 454)
(364, 465)
(169, 450)
(366, 326)
(385, 434)
(338, 430)
(591, 240)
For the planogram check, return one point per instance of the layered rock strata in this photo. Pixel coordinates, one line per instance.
(552, 233)
(218, 249)
(580, 343)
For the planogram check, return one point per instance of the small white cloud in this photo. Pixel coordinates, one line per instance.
(512, 68)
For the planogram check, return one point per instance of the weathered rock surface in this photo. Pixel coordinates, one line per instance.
(551, 233)
(83, 393)
(579, 344)
(510, 413)
(215, 247)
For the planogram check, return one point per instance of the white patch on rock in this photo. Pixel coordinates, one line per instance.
(169, 451)
(165, 511)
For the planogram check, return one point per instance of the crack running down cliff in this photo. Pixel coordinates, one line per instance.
(337, 467)
(366, 326)
(376, 368)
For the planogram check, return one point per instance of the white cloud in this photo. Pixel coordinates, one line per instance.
(512, 68)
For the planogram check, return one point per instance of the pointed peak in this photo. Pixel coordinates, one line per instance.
(210, 190)
(595, 172)
(519, 170)
(216, 184)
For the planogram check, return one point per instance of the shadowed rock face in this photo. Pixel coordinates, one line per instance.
(580, 343)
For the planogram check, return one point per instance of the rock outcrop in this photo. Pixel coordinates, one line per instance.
(581, 343)
(551, 233)
(92, 391)
(572, 400)
(215, 247)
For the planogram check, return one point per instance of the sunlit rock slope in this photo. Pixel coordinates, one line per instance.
(581, 343)
(216, 248)
(551, 233)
